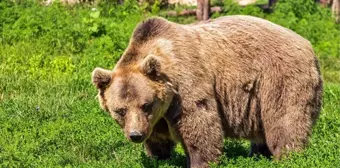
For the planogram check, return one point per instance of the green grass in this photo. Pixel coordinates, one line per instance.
(262, 2)
(49, 116)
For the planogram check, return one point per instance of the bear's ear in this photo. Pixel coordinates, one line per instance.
(101, 77)
(151, 66)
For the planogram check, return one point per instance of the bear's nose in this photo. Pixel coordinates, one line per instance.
(136, 136)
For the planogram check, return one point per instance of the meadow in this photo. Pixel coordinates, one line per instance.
(49, 116)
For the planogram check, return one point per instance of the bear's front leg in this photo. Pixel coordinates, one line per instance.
(202, 137)
(159, 150)
(159, 144)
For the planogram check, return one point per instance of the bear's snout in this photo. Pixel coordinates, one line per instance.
(136, 136)
(137, 126)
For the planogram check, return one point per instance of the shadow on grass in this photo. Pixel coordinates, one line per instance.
(232, 149)
(238, 148)
(176, 160)
(235, 148)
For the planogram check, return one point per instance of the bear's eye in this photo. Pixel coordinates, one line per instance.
(147, 107)
(120, 111)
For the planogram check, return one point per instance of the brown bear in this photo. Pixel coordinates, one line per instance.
(235, 76)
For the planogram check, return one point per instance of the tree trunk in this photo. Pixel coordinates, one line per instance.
(203, 9)
(336, 9)
(206, 11)
(199, 10)
(334, 5)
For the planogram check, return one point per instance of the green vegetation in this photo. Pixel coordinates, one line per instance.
(48, 112)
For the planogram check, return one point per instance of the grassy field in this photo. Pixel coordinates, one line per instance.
(49, 116)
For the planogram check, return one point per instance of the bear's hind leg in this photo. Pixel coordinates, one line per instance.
(259, 149)
(281, 142)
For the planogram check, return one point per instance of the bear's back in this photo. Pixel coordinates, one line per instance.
(246, 42)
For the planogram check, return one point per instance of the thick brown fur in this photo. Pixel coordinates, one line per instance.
(235, 76)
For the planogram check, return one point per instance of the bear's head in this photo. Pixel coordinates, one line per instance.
(136, 95)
